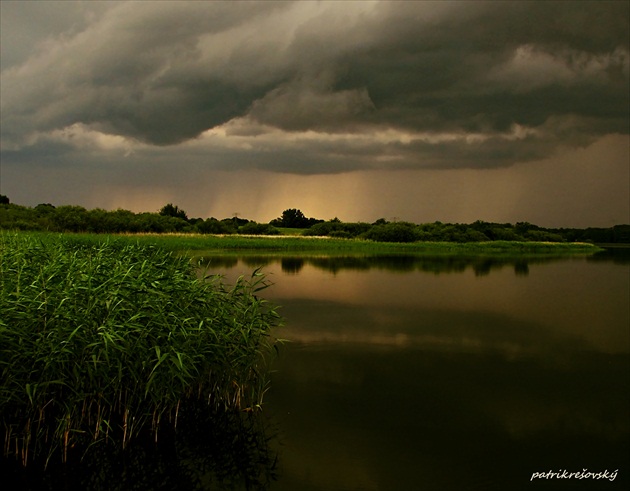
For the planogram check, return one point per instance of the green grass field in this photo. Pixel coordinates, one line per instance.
(283, 244)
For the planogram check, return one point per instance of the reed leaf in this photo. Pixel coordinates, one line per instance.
(101, 340)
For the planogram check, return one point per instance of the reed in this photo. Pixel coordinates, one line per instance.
(193, 243)
(103, 339)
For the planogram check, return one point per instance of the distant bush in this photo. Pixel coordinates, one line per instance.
(321, 229)
(393, 232)
(18, 217)
(506, 234)
(543, 236)
(253, 228)
(457, 233)
(214, 226)
(336, 228)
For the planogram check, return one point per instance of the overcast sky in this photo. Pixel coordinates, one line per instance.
(419, 111)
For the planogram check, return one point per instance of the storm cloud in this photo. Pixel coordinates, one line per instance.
(453, 84)
(306, 88)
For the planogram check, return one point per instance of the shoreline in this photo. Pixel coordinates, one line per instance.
(286, 244)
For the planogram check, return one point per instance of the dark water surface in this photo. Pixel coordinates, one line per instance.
(407, 373)
(448, 374)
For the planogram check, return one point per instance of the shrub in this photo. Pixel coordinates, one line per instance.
(543, 236)
(214, 226)
(253, 228)
(336, 228)
(393, 232)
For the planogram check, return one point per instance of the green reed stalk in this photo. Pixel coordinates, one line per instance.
(103, 340)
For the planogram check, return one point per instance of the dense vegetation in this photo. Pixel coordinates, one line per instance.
(479, 231)
(103, 340)
(198, 245)
(172, 219)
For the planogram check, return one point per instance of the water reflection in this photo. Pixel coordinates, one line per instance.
(619, 254)
(574, 299)
(397, 379)
(334, 264)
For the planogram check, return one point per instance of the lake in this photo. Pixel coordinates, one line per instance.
(448, 373)
(409, 374)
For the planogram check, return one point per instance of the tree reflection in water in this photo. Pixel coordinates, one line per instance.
(481, 265)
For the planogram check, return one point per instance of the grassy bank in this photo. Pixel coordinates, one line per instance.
(101, 339)
(193, 243)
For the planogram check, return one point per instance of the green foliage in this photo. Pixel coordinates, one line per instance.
(78, 219)
(71, 218)
(103, 339)
(171, 219)
(339, 229)
(235, 222)
(171, 210)
(253, 228)
(393, 232)
(619, 234)
(16, 217)
(321, 229)
(214, 226)
(380, 221)
(293, 218)
(383, 231)
(543, 236)
(458, 233)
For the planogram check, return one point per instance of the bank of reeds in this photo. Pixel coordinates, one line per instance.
(101, 340)
(194, 243)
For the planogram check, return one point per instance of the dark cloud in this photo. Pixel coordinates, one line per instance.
(484, 66)
(138, 71)
(466, 84)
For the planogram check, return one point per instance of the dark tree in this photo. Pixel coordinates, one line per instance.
(291, 218)
(171, 210)
(4, 200)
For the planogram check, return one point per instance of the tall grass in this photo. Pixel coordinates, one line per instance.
(100, 340)
(183, 243)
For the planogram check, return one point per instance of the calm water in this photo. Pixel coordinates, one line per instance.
(443, 374)
(412, 374)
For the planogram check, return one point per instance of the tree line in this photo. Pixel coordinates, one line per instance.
(172, 219)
